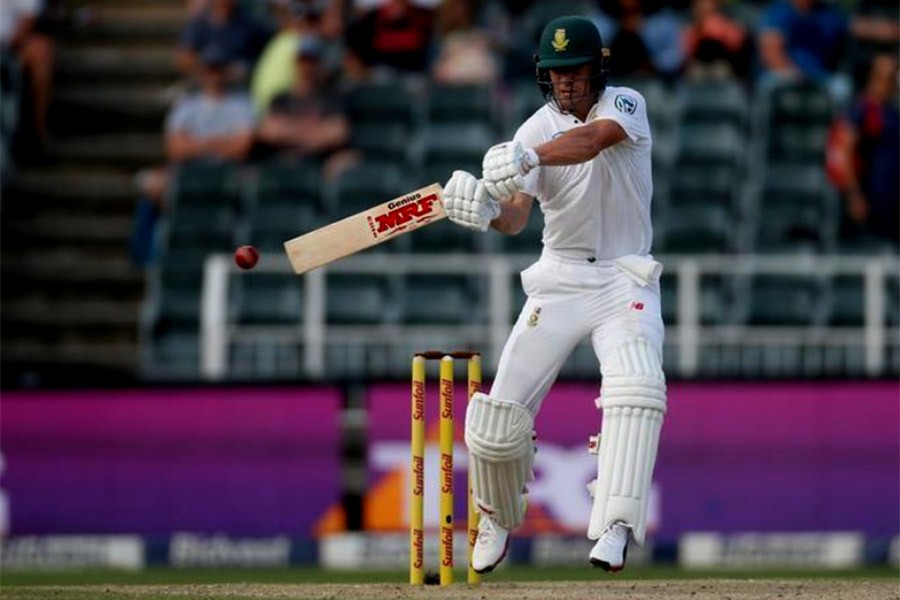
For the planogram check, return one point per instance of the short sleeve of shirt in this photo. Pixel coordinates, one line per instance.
(777, 18)
(244, 115)
(529, 137)
(627, 108)
(177, 119)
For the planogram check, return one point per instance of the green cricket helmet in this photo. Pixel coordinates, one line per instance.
(571, 41)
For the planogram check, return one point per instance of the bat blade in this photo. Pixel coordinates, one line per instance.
(366, 229)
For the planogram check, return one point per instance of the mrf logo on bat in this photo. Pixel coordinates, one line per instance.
(402, 212)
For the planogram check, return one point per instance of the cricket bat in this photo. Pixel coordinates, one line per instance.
(366, 229)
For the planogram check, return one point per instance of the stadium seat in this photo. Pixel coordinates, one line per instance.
(796, 102)
(288, 183)
(697, 228)
(207, 228)
(362, 187)
(171, 352)
(463, 144)
(797, 143)
(716, 299)
(539, 14)
(383, 102)
(846, 301)
(272, 225)
(440, 299)
(714, 102)
(692, 184)
(206, 184)
(444, 236)
(461, 104)
(268, 299)
(711, 144)
(382, 142)
(354, 299)
(792, 229)
(785, 300)
(527, 99)
(264, 360)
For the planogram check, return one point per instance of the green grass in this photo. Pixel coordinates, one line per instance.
(171, 576)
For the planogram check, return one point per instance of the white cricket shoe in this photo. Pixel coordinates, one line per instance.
(611, 549)
(490, 545)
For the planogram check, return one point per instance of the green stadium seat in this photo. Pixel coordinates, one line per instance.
(847, 301)
(272, 225)
(383, 102)
(793, 230)
(714, 102)
(797, 143)
(796, 102)
(382, 142)
(463, 144)
(779, 300)
(711, 144)
(444, 236)
(461, 104)
(289, 183)
(362, 187)
(171, 353)
(440, 300)
(268, 299)
(692, 184)
(202, 227)
(354, 299)
(206, 184)
(697, 228)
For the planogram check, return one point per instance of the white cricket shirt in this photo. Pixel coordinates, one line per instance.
(599, 209)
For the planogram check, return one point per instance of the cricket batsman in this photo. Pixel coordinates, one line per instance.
(585, 158)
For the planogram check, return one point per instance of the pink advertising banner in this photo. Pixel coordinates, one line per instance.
(241, 461)
(771, 456)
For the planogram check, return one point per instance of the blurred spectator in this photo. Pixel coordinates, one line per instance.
(715, 46)
(223, 24)
(309, 121)
(396, 35)
(464, 53)
(213, 124)
(641, 42)
(876, 21)
(868, 160)
(802, 38)
(274, 72)
(21, 38)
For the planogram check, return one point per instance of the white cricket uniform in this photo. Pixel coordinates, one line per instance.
(595, 276)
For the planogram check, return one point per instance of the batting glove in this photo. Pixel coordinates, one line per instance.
(467, 202)
(505, 166)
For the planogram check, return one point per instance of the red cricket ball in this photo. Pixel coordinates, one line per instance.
(246, 257)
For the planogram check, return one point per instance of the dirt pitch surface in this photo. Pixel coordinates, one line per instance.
(711, 589)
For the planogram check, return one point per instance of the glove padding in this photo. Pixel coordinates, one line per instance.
(467, 202)
(505, 166)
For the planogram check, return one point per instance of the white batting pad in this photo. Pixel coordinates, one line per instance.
(501, 455)
(634, 404)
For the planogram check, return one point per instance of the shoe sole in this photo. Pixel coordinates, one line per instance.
(490, 568)
(602, 564)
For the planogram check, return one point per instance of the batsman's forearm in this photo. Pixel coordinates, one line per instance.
(512, 219)
(573, 147)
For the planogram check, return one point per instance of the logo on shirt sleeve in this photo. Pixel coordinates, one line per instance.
(626, 104)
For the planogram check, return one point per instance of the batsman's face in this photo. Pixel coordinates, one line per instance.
(572, 88)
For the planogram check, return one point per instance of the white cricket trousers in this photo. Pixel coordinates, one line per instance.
(569, 300)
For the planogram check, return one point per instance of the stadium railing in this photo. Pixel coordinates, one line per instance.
(873, 345)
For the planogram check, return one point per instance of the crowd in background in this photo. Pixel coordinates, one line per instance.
(268, 78)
